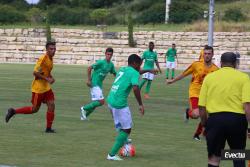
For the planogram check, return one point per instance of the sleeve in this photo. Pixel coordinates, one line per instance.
(189, 70)
(97, 64)
(246, 91)
(39, 63)
(135, 79)
(203, 94)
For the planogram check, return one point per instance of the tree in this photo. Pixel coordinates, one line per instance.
(131, 41)
(100, 15)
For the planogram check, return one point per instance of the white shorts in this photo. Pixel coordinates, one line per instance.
(148, 76)
(122, 118)
(170, 64)
(96, 93)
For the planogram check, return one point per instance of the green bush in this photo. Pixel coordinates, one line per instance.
(70, 16)
(155, 14)
(100, 15)
(35, 15)
(185, 12)
(234, 14)
(9, 14)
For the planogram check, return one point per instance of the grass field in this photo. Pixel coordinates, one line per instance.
(161, 137)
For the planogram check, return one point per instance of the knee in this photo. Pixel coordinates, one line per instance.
(35, 109)
(102, 102)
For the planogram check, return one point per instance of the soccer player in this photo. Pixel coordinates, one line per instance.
(198, 69)
(127, 78)
(100, 70)
(170, 60)
(201, 57)
(41, 90)
(150, 58)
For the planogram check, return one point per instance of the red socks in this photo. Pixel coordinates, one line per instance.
(50, 118)
(24, 110)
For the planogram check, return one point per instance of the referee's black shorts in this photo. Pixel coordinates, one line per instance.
(222, 127)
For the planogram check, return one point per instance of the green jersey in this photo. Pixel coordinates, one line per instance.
(150, 58)
(125, 79)
(171, 54)
(101, 69)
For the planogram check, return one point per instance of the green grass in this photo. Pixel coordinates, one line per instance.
(161, 137)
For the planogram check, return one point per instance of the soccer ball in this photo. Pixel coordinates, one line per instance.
(128, 150)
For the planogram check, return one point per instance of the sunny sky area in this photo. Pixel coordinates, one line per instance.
(32, 1)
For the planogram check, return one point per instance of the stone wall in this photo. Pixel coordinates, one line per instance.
(77, 46)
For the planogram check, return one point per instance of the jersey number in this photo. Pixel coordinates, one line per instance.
(120, 74)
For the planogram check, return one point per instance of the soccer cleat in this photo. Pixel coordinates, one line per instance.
(128, 141)
(186, 116)
(11, 112)
(83, 114)
(146, 96)
(114, 158)
(197, 137)
(49, 130)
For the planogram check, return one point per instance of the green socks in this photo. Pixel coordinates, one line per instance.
(119, 142)
(89, 108)
(142, 82)
(148, 86)
(167, 72)
(172, 73)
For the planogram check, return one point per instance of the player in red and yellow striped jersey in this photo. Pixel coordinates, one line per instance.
(199, 70)
(41, 90)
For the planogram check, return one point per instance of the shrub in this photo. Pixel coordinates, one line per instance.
(35, 15)
(70, 16)
(234, 14)
(100, 15)
(9, 14)
(155, 14)
(181, 12)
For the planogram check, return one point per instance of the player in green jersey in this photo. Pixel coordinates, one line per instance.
(100, 70)
(127, 78)
(150, 58)
(170, 57)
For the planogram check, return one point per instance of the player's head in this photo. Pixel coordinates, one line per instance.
(208, 54)
(109, 53)
(50, 48)
(229, 59)
(135, 61)
(151, 46)
(173, 45)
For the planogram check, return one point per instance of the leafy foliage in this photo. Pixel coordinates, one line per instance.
(185, 12)
(234, 14)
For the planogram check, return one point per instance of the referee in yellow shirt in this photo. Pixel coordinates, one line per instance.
(224, 106)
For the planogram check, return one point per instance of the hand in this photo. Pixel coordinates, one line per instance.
(50, 80)
(89, 83)
(170, 81)
(141, 108)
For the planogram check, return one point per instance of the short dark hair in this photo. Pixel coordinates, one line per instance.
(50, 43)
(229, 58)
(206, 47)
(151, 43)
(134, 58)
(109, 50)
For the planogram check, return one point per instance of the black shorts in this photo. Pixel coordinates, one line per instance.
(222, 127)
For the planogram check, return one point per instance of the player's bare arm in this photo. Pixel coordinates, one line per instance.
(203, 115)
(137, 94)
(179, 77)
(38, 75)
(158, 66)
(88, 82)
